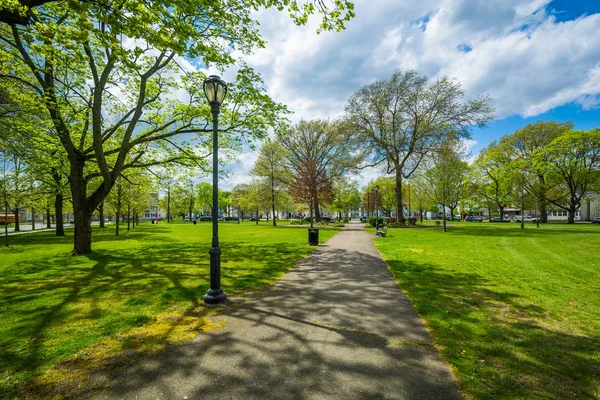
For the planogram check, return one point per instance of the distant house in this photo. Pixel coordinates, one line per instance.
(590, 206)
(153, 211)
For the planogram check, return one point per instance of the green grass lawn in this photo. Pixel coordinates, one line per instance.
(139, 291)
(515, 312)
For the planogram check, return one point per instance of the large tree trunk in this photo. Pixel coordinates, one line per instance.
(6, 224)
(101, 214)
(444, 216)
(128, 217)
(169, 218)
(191, 205)
(118, 209)
(83, 231)
(58, 204)
(32, 219)
(571, 211)
(273, 202)
(501, 212)
(58, 211)
(399, 210)
(522, 210)
(257, 216)
(317, 210)
(48, 225)
(543, 215)
(421, 212)
(17, 226)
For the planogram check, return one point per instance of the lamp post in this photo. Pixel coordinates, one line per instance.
(368, 202)
(215, 90)
(376, 210)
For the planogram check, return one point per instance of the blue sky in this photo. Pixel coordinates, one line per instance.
(562, 10)
(537, 59)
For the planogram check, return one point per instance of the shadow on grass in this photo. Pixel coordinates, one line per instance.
(66, 304)
(495, 339)
(337, 326)
(514, 230)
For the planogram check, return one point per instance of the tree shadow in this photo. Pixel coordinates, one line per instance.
(336, 326)
(516, 231)
(59, 295)
(501, 343)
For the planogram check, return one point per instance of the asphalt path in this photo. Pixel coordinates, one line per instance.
(337, 326)
(39, 227)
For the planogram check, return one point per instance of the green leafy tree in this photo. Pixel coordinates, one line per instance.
(234, 16)
(405, 118)
(572, 163)
(239, 200)
(523, 145)
(346, 197)
(270, 168)
(386, 200)
(444, 181)
(420, 194)
(128, 119)
(492, 177)
(319, 151)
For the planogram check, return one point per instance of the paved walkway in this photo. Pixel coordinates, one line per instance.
(335, 327)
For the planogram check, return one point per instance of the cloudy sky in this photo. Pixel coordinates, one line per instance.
(538, 59)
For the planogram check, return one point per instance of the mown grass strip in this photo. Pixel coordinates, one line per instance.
(515, 312)
(139, 291)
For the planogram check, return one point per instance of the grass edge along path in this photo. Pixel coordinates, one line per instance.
(514, 312)
(62, 316)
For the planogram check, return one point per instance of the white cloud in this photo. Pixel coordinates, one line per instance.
(514, 50)
(526, 60)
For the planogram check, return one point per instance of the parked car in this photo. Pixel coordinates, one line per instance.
(596, 220)
(497, 219)
(527, 219)
(473, 218)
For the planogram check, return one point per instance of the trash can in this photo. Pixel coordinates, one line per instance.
(194, 222)
(152, 221)
(313, 236)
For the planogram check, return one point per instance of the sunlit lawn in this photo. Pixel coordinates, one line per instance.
(515, 312)
(139, 291)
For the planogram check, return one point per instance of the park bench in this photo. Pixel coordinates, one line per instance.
(382, 232)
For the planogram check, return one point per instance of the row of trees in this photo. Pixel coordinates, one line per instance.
(541, 166)
(399, 124)
(92, 90)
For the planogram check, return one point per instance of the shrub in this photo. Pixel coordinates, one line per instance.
(372, 221)
(412, 221)
(297, 222)
(395, 225)
(391, 220)
(438, 222)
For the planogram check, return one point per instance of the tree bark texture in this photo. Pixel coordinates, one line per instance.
(101, 214)
(399, 210)
(58, 211)
(17, 225)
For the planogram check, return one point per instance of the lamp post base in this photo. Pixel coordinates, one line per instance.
(215, 296)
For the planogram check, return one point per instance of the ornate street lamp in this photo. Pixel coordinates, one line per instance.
(376, 210)
(215, 90)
